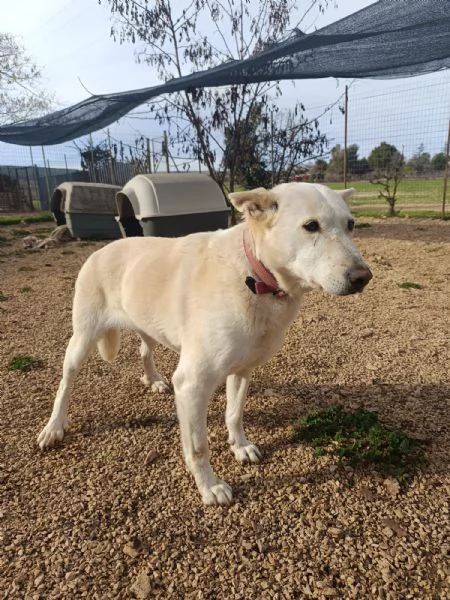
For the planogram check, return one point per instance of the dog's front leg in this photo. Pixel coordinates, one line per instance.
(243, 450)
(192, 392)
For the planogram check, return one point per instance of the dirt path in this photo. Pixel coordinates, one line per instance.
(112, 513)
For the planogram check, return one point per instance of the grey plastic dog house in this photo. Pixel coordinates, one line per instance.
(88, 209)
(171, 205)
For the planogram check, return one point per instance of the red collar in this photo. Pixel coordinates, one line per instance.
(267, 283)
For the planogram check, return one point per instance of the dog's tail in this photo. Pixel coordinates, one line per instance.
(109, 344)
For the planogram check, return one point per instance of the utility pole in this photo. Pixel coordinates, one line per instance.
(112, 172)
(91, 144)
(47, 180)
(345, 135)
(149, 156)
(166, 151)
(271, 149)
(447, 158)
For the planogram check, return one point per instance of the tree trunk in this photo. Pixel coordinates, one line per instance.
(392, 212)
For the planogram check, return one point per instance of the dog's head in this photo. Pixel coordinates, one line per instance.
(302, 233)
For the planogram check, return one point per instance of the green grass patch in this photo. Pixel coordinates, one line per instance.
(2, 297)
(24, 363)
(371, 213)
(407, 186)
(424, 214)
(409, 285)
(411, 192)
(26, 289)
(402, 201)
(362, 225)
(42, 217)
(358, 438)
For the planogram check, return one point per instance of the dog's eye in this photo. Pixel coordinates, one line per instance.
(312, 226)
(351, 225)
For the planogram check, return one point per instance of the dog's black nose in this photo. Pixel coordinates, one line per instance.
(359, 277)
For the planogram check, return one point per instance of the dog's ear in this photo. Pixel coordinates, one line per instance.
(345, 194)
(257, 203)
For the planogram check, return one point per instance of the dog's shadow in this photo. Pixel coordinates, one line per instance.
(422, 415)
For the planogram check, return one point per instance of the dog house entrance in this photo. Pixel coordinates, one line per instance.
(127, 218)
(57, 206)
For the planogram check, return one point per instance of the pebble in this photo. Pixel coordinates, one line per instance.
(151, 457)
(142, 587)
(130, 551)
(366, 333)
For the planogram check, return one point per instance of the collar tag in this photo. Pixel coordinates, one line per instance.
(259, 287)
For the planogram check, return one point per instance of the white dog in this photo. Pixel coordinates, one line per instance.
(223, 300)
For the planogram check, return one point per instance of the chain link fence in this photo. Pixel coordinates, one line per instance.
(392, 147)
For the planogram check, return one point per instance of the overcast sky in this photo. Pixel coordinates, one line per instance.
(70, 40)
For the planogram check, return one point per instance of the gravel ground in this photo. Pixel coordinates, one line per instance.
(112, 512)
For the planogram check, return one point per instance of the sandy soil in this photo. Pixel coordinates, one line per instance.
(112, 512)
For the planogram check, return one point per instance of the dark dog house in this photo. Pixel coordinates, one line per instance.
(88, 209)
(171, 205)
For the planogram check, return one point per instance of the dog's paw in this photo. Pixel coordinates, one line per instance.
(219, 494)
(161, 386)
(247, 454)
(53, 432)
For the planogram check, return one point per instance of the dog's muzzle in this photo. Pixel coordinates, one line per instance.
(358, 278)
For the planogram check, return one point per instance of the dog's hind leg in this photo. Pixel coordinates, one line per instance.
(78, 349)
(151, 375)
(243, 450)
(193, 385)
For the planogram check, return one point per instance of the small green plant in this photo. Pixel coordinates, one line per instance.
(2, 297)
(409, 285)
(24, 363)
(358, 438)
(362, 225)
(25, 289)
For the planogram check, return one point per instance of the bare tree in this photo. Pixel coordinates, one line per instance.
(21, 95)
(388, 169)
(293, 140)
(185, 36)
